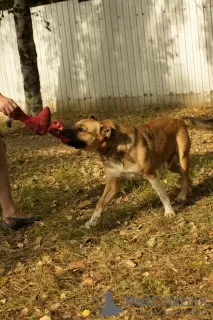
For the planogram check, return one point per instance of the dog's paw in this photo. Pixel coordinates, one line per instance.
(169, 214)
(91, 223)
(88, 225)
(180, 198)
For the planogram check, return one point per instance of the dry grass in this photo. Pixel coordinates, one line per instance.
(37, 274)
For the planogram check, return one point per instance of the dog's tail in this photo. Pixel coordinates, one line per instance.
(205, 124)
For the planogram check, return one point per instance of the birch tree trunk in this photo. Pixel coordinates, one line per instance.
(28, 56)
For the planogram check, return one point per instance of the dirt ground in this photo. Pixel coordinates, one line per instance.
(57, 270)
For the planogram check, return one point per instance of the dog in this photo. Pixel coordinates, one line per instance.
(134, 152)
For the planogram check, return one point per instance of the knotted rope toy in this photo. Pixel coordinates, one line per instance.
(56, 129)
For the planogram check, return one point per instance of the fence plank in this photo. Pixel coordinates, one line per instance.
(115, 54)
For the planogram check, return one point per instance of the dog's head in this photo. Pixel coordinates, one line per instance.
(89, 134)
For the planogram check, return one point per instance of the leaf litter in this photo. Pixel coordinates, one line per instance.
(61, 269)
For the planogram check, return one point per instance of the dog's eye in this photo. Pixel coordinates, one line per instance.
(81, 129)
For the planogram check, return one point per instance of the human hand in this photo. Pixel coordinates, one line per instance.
(7, 105)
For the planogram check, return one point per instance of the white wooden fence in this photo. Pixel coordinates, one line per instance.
(116, 54)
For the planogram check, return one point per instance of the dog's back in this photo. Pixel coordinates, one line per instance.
(164, 135)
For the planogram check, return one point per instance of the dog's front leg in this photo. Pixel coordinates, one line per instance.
(169, 212)
(111, 188)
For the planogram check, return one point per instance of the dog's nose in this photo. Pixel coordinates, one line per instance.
(67, 133)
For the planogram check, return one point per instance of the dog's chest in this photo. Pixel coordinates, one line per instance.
(119, 169)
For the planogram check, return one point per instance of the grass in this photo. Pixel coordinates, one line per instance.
(38, 276)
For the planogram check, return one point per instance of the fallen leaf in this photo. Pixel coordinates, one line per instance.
(69, 218)
(195, 236)
(76, 265)
(45, 318)
(55, 237)
(95, 276)
(85, 313)
(123, 232)
(20, 245)
(151, 242)
(210, 280)
(129, 263)
(134, 238)
(40, 263)
(1, 269)
(210, 232)
(84, 204)
(3, 301)
(6, 244)
(87, 282)
(24, 312)
(138, 254)
(67, 315)
(194, 232)
(55, 306)
(46, 259)
(59, 269)
(146, 274)
(37, 243)
(19, 267)
(63, 296)
(4, 279)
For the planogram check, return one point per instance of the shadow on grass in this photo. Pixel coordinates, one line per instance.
(56, 222)
(126, 212)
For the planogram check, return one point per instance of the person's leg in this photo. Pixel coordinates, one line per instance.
(13, 218)
(6, 200)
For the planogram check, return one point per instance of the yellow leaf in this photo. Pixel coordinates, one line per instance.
(151, 242)
(3, 301)
(63, 296)
(3, 279)
(85, 313)
(46, 259)
(46, 317)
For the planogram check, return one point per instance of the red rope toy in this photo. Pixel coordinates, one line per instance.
(40, 124)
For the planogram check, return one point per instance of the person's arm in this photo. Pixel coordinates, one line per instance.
(7, 105)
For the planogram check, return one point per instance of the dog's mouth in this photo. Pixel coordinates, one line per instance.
(69, 136)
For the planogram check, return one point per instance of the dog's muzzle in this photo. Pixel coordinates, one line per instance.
(71, 140)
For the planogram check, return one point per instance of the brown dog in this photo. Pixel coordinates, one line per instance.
(136, 151)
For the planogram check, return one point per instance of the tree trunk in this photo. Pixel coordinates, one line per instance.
(28, 56)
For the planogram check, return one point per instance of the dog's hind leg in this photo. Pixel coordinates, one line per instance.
(169, 212)
(184, 145)
(111, 189)
(173, 166)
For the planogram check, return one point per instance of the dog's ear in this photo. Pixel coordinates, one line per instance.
(105, 131)
(92, 117)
